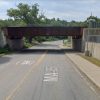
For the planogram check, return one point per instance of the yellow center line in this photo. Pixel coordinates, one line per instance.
(25, 77)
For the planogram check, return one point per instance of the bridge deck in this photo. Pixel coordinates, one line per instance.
(19, 32)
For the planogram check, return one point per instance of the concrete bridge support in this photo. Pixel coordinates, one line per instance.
(77, 43)
(2, 39)
(15, 44)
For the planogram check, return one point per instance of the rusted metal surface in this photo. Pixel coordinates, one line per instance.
(19, 32)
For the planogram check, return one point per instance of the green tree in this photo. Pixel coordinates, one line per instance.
(29, 14)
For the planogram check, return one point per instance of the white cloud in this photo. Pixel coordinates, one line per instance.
(2, 3)
(64, 9)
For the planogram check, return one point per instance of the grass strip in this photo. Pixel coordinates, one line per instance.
(91, 59)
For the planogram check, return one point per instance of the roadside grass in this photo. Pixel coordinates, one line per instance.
(91, 59)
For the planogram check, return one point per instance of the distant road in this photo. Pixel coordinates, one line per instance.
(42, 75)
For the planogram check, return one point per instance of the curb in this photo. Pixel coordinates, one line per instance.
(86, 76)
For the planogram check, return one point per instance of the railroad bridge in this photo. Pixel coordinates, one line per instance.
(15, 34)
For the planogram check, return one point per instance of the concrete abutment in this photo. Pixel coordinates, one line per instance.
(77, 44)
(15, 44)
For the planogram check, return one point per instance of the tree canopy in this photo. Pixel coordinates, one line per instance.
(28, 14)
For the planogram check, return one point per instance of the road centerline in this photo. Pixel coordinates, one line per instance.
(25, 76)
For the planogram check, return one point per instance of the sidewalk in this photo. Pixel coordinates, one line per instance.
(90, 70)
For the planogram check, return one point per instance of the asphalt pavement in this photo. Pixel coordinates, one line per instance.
(42, 75)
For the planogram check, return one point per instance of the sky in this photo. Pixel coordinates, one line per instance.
(68, 10)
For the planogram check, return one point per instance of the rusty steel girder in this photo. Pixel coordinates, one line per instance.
(19, 32)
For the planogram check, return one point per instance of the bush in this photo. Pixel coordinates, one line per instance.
(26, 43)
(5, 50)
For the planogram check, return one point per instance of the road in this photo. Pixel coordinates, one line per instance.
(42, 75)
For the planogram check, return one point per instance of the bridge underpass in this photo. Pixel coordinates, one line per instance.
(43, 75)
(15, 35)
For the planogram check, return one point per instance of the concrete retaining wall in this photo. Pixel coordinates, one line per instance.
(2, 39)
(15, 44)
(77, 44)
(91, 42)
(94, 49)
